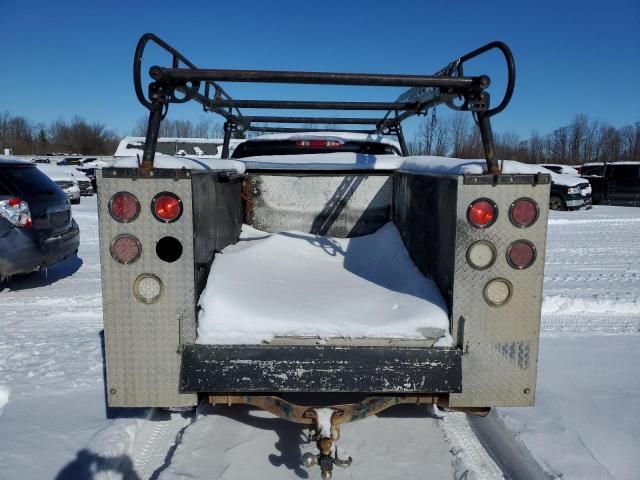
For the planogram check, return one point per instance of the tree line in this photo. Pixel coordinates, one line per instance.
(75, 136)
(581, 141)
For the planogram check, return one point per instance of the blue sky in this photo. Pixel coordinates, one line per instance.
(75, 57)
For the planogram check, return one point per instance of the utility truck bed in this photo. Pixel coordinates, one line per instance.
(316, 288)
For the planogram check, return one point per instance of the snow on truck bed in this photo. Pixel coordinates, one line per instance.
(294, 284)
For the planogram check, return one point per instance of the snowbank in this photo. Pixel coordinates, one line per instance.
(169, 161)
(566, 305)
(456, 166)
(4, 397)
(298, 284)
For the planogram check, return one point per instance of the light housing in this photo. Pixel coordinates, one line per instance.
(498, 292)
(126, 249)
(524, 212)
(521, 254)
(482, 213)
(481, 255)
(16, 211)
(124, 207)
(166, 207)
(148, 288)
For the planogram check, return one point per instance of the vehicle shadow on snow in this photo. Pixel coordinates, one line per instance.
(43, 278)
(291, 436)
(88, 465)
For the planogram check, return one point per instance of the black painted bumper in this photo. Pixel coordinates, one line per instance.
(271, 368)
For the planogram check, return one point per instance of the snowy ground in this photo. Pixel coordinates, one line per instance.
(53, 423)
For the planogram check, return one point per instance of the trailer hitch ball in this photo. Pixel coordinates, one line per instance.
(327, 457)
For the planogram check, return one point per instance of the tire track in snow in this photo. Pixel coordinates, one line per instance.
(472, 461)
(595, 323)
(155, 440)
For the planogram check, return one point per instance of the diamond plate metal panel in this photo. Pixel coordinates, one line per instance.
(142, 341)
(500, 344)
(340, 205)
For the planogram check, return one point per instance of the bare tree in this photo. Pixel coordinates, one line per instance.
(536, 147)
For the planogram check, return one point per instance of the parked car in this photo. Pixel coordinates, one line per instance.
(84, 182)
(70, 161)
(36, 225)
(41, 160)
(595, 169)
(572, 194)
(615, 183)
(65, 180)
(568, 190)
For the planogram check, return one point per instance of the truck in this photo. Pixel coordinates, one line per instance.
(194, 260)
(615, 183)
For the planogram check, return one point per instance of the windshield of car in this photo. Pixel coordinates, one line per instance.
(319, 145)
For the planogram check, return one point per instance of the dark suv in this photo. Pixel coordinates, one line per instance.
(616, 183)
(36, 226)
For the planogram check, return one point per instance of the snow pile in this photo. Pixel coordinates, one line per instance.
(4, 397)
(169, 161)
(324, 161)
(556, 304)
(303, 285)
(456, 166)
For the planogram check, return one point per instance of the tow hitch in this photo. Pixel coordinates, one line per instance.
(324, 422)
(326, 431)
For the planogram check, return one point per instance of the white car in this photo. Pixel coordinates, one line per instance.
(64, 179)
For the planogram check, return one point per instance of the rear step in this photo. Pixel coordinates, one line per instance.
(320, 368)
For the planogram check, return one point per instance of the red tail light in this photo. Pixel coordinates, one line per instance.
(523, 212)
(126, 249)
(124, 207)
(482, 213)
(16, 211)
(521, 254)
(166, 207)
(319, 143)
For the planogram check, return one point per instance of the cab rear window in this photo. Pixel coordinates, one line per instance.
(293, 147)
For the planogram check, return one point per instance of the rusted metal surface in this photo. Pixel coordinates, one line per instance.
(349, 412)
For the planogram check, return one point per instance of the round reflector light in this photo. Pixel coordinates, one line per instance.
(497, 292)
(124, 207)
(523, 212)
(147, 288)
(481, 255)
(521, 254)
(482, 213)
(126, 249)
(166, 207)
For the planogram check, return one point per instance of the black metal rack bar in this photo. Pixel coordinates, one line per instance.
(293, 130)
(179, 75)
(312, 105)
(183, 81)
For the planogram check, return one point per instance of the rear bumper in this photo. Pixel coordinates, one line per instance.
(22, 252)
(270, 368)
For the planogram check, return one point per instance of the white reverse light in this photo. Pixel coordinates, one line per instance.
(497, 292)
(481, 255)
(147, 288)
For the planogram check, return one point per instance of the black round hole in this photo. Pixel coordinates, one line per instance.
(169, 249)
